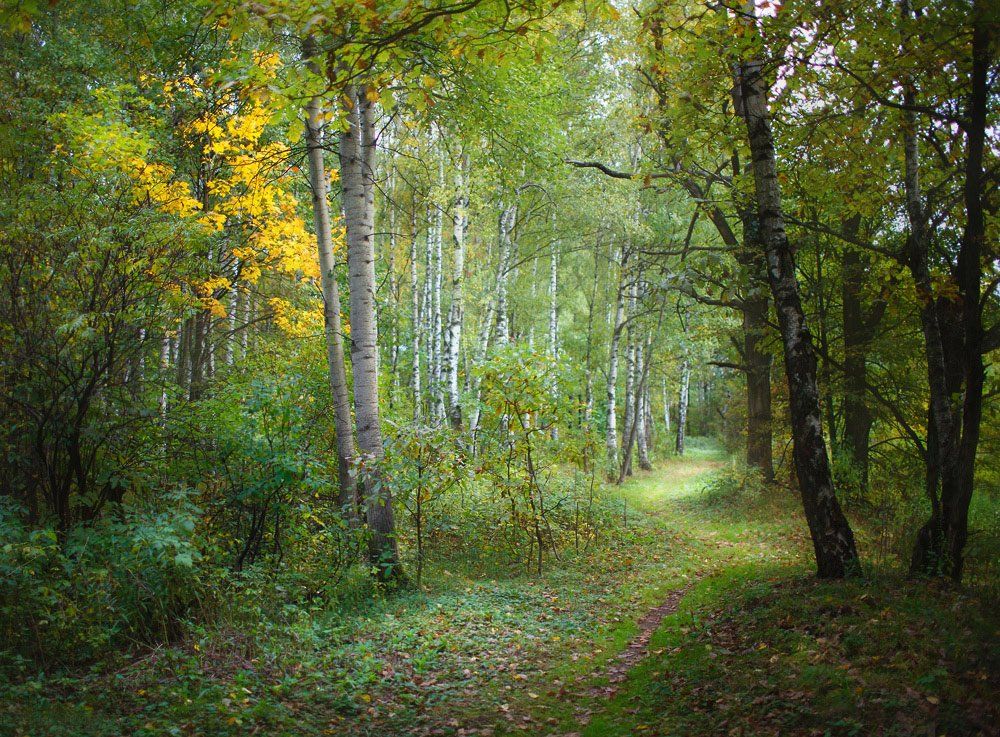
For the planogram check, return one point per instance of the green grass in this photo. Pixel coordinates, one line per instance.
(757, 646)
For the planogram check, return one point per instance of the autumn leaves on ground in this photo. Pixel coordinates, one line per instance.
(697, 614)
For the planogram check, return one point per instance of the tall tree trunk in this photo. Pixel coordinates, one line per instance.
(832, 537)
(460, 221)
(666, 410)
(859, 331)
(631, 370)
(641, 412)
(588, 407)
(611, 435)
(825, 375)
(554, 324)
(197, 337)
(682, 406)
(394, 290)
(437, 322)
(333, 330)
(164, 369)
(758, 384)
(482, 348)
(508, 217)
(415, 321)
(970, 276)
(357, 159)
(941, 541)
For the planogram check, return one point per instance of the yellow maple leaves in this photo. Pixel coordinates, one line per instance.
(296, 322)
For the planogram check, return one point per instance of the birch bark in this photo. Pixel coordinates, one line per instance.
(357, 159)
(333, 330)
(833, 539)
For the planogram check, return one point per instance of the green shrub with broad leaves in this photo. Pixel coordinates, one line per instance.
(132, 578)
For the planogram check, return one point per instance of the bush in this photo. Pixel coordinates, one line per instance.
(736, 486)
(135, 578)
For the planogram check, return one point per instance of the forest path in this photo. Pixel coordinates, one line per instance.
(658, 494)
(686, 522)
(558, 654)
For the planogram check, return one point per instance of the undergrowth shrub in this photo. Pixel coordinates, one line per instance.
(736, 486)
(135, 578)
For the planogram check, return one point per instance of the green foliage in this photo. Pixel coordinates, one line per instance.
(136, 578)
(735, 487)
(520, 452)
(261, 450)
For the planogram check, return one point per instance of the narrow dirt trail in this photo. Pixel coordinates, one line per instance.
(638, 648)
(668, 486)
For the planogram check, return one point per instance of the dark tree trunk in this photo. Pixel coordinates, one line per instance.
(754, 310)
(833, 539)
(756, 361)
(758, 386)
(970, 275)
(859, 331)
(954, 352)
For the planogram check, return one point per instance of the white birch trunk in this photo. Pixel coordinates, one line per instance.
(333, 330)
(455, 312)
(666, 409)
(682, 406)
(415, 322)
(508, 217)
(437, 323)
(641, 414)
(357, 159)
(611, 437)
(554, 325)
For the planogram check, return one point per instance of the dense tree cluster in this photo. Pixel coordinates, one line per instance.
(285, 286)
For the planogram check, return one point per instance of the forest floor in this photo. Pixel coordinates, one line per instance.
(700, 617)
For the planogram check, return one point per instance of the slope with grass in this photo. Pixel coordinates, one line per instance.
(697, 616)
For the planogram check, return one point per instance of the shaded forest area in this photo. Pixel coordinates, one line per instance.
(498, 367)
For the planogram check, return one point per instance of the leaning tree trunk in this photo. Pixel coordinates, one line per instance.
(460, 219)
(357, 159)
(832, 537)
(337, 372)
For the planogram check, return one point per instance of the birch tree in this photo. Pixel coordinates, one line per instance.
(357, 159)
(333, 331)
(460, 218)
(833, 539)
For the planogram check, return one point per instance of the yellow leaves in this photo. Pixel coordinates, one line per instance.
(102, 145)
(214, 307)
(216, 283)
(156, 184)
(268, 62)
(295, 322)
(213, 222)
